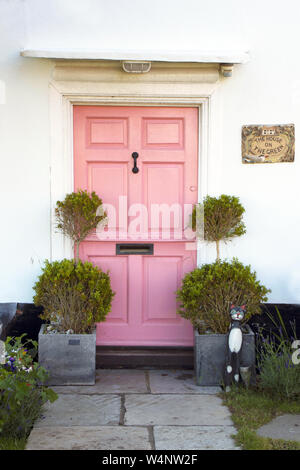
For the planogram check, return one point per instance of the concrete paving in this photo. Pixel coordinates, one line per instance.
(81, 410)
(133, 410)
(89, 438)
(194, 437)
(175, 410)
(110, 381)
(177, 381)
(285, 427)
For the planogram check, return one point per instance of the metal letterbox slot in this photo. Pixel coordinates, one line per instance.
(134, 248)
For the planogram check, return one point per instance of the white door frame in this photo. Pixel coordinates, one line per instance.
(66, 93)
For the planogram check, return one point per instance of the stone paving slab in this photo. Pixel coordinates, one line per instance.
(183, 415)
(81, 410)
(110, 381)
(194, 437)
(285, 427)
(174, 409)
(89, 438)
(177, 381)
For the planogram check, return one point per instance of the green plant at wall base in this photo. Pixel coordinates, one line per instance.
(279, 372)
(279, 376)
(222, 219)
(78, 215)
(74, 295)
(22, 390)
(208, 291)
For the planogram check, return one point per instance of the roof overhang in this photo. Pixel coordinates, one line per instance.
(219, 57)
(226, 59)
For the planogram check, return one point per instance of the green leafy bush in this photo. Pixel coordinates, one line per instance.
(208, 291)
(279, 376)
(222, 219)
(279, 373)
(78, 215)
(22, 389)
(74, 295)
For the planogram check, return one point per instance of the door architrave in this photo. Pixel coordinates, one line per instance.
(64, 94)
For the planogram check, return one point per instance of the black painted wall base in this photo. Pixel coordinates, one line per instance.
(22, 318)
(290, 314)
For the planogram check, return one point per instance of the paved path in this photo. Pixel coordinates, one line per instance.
(132, 410)
(282, 427)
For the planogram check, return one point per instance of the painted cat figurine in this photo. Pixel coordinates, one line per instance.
(234, 346)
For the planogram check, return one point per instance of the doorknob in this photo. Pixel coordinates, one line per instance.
(135, 169)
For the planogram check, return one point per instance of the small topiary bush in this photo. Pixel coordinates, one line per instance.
(222, 219)
(74, 295)
(78, 215)
(207, 292)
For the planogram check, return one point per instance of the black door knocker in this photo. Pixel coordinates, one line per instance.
(135, 168)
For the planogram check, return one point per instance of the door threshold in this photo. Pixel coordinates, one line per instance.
(138, 357)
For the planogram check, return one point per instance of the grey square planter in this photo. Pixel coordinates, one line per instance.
(210, 356)
(70, 359)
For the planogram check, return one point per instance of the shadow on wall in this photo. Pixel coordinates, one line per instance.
(17, 319)
(290, 314)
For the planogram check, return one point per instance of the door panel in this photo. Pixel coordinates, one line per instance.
(118, 271)
(109, 180)
(104, 133)
(160, 305)
(154, 201)
(144, 309)
(162, 133)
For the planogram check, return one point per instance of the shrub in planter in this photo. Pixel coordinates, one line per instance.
(204, 298)
(74, 295)
(22, 389)
(208, 291)
(223, 219)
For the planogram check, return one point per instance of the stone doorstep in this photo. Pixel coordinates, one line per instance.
(144, 358)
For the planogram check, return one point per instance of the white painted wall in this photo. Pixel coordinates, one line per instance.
(24, 160)
(266, 90)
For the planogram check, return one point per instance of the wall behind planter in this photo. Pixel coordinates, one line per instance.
(24, 160)
(290, 314)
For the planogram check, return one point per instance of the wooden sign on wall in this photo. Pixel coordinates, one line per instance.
(268, 144)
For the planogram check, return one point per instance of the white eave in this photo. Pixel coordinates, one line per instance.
(217, 57)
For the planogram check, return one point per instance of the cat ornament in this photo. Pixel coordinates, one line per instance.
(234, 346)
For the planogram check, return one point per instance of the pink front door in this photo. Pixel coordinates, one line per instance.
(142, 162)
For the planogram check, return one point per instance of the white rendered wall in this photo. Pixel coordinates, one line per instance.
(24, 160)
(264, 91)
